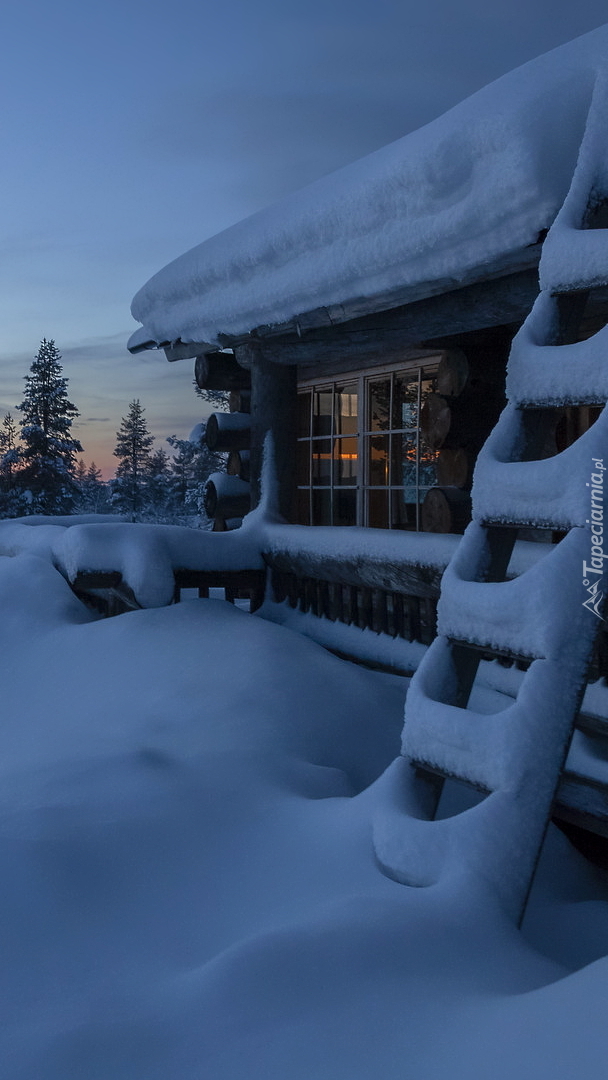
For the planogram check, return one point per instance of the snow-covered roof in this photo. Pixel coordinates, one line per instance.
(461, 199)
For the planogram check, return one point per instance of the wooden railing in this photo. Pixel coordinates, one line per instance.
(109, 594)
(398, 601)
(412, 618)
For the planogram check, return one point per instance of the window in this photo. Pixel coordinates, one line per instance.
(328, 455)
(361, 458)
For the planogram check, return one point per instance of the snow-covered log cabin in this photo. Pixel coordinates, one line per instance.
(435, 309)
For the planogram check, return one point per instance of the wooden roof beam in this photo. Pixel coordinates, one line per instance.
(489, 303)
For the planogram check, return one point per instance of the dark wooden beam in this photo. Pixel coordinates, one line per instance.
(384, 335)
(220, 371)
(274, 411)
(332, 315)
(180, 350)
(398, 576)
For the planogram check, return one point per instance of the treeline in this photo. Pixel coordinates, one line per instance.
(152, 484)
(40, 472)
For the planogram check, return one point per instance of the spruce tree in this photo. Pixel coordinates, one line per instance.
(94, 493)
(133, 445)
(9, 452)
(47, 455)
(190, 467)
(11, 504)
(157, 487)
(80, 475)
(218, 399)
(96, 490)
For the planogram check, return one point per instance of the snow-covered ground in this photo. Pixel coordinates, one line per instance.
(188, 885)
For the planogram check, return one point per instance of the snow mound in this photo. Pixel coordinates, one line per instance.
(189, 885)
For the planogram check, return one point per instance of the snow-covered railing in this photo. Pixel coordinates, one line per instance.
(366, 582)
(141, 565)
(367, 594)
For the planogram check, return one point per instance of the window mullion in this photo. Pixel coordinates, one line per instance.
(361, 407)
(390, 450)
(417, 473)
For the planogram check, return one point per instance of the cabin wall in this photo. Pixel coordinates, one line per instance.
(372, 428)
(375, 441)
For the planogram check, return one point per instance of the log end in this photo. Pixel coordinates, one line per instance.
(445, 510)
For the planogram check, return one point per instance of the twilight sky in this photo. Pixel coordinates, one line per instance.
(134, 129)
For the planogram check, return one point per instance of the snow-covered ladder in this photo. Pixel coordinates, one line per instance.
(550, 614)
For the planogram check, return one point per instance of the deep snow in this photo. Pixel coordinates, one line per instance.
(188, 882)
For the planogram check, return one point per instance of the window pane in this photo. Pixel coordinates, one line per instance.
(427, 387)
(345, 506)
(321, 506)
(345, 461)
(378, 459)
(428, 470)
(303, 506)
(346, 406)
(303, 462)
(304, 414)
(379, 391)
(404, 462)
(405, 401)
(321, 461)
(403, 509)
(404, 459)
(321, 421)
(377, 514)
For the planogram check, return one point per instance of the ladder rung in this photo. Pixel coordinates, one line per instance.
(489, 652)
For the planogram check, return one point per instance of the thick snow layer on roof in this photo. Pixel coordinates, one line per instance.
(457, 199)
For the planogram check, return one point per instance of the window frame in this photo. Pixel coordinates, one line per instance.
(425, 367)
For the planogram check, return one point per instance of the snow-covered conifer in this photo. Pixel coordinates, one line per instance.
(133, 446)
(47, 455)
(94, 497)
(190, 467)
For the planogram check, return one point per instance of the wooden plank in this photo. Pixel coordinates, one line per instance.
(398, 616)
(237, 580)
(180, 350)
(594, 726)
(583, 801)
(112, 597)
(579, 800)
(505, 295)
(405, 577)
(474, 307)
(278, 583)
(96, 579)
(381, 613)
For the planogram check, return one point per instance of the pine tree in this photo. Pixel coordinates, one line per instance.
(10, 500)
(9, 453)
(48, 452)
(218, 399)
(96, 490)
(157, 486)
(190, 467)
(94, 493)
(80, 475)
(133, 445)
